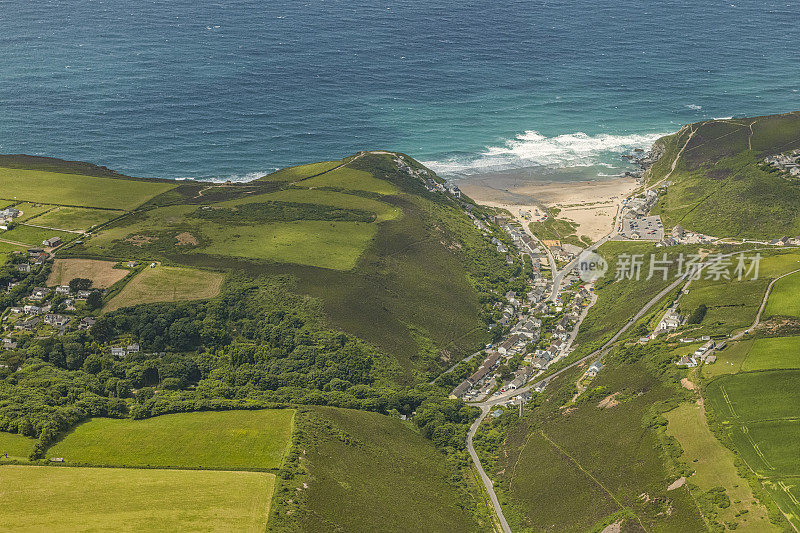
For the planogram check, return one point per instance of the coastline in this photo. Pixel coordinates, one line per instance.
(590, 203)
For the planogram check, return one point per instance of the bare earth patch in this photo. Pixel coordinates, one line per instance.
(616, 527)
(186, 239)
(139, 240)
(102, 273)
(609, 401)
(688, 384)
(678, 483)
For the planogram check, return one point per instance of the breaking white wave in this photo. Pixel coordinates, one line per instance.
(534, 149)
(694, 107)
(236, 178)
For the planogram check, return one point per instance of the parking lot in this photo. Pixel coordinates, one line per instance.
(643, 228)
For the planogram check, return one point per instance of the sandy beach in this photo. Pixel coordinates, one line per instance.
(590, 204)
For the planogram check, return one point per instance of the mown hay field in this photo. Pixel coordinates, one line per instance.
(167, 284)
(209, 439)
(102, 273)
(40, 498)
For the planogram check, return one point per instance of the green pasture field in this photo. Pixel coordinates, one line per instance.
(320, 243)
(16, 446)
(167, 284)
(208, 439)
(40, 498)
(31, 210)
(732, 305)
(6, 248)
(570, 469)
(776, 444)
(713, 466)
(383, 211)
(74, 218)
(351, 180)
(786, 493)
(756, 396)
(773, 353)
(301, 171)
(369, 472)
(784, 299)
(78, 189)
(775, 263)
(34, 236)
(729, 360)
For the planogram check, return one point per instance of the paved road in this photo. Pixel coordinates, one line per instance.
(763, 305)
(487, 482)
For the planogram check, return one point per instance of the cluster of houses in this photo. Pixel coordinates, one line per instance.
(704, 353)
(789, 162)
(123, 351)
(681, 236)
(524, 334)
(671, 321)
(35, 310)
(7, 216)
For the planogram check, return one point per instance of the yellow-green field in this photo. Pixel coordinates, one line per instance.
(784, 300)
(33, 236)
(35, 498)
(167, 284)
(74, 218)
(15, 447)
(320, 243)
(209, 439)
(382, 210)
(301, 171)
(31, 210)
(102, 273)
(713, 465)
(729, 360)
(773, 353)
(78, 189)
(351, 180)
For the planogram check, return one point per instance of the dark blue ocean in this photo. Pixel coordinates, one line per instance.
(188, 88)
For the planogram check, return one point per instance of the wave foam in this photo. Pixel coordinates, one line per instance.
(534, 149)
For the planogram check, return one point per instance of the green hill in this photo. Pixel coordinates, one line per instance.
(720, 184)
(358, 471)
(390, 262)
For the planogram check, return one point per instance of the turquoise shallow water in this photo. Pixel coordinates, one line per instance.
(234, 89)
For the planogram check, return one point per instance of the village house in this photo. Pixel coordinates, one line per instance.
(485, 368)
(118, 352)
(56, 320)
(30, 309)
(9, 344)
(594, 368)
(86, 323)
(687, 361)
(28, 324)
(39, 293)
(51, 242)
(24, 267)
(62, 289)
